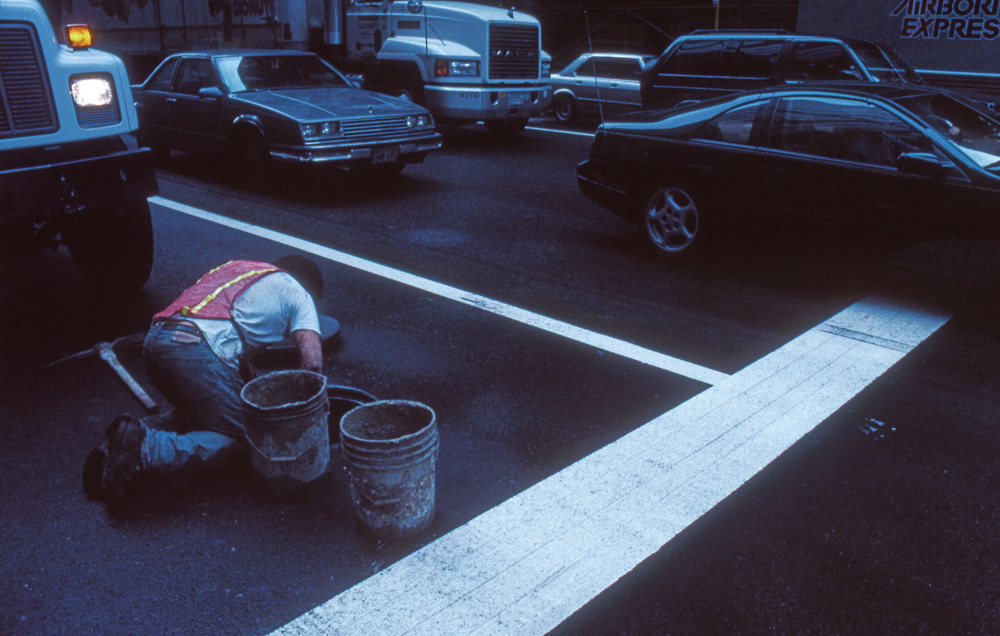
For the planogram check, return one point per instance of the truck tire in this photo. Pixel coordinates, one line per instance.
(506, 128)
(113, 246)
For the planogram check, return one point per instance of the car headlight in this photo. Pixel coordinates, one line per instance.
(319, 129)
(91, 91)
(456, 68)
(419, 121)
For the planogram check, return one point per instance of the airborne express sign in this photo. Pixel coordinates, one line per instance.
(951, 19)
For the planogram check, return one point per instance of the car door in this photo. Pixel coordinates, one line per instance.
(587, 86)
(151, 102)
(835, 157)
(621, 75)
(196, 122)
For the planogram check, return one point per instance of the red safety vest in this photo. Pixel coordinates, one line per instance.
(215, 292)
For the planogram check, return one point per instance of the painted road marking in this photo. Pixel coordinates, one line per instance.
(558, 327)
(531, 562)
(528, 564)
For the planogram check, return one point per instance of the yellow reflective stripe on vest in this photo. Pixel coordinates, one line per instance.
(222, 288)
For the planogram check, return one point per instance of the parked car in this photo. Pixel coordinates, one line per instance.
(598, 83)
(902, 157)
(263, 106)
(707, 64)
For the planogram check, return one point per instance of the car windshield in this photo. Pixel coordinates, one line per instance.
(972, 132)
(883, 62)
(267, 72)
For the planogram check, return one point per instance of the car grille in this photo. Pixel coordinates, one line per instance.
(25, 99)
(374, 128)
(513, 51)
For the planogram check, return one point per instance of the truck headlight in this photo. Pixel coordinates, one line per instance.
(91, 91)
(546, 68)
(320, 129)
(456, 68)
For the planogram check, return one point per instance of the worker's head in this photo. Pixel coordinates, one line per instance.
(305, 272)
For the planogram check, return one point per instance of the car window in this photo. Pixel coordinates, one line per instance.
(160, 80)
(695, 57)
(617, 68)
(836, 128)
(265, 72)
(817, 61)
(883, 62)
(193, 75)
(586, 69)
(975, 134)
(750, 58)
(734, 126)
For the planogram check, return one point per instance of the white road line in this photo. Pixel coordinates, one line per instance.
(558, 327)
(528, 564)
(562, 132)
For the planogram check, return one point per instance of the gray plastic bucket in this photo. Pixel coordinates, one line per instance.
(390, 449)
(285, 417)
(342, 400)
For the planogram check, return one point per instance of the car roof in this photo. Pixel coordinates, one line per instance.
(777, 34)
(234, 52)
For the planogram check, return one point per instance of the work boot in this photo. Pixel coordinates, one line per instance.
(93, 472)
(124, 459)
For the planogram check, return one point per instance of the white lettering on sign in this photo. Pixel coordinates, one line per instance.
(951, 19)
(253, 7)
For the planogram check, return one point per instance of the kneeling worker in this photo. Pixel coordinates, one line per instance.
(197, 354)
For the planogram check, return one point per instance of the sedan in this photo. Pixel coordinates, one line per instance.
(878, 155)
(598, 83)
(261, 106)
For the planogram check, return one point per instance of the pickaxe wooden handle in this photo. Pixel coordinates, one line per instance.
(107, 354)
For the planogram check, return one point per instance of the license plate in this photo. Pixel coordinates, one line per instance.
(387, 154)
(515, 99)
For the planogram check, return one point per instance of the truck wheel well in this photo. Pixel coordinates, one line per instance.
(399, 79)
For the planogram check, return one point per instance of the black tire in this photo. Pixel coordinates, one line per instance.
(672, 223)
(565, 108)
(506, 128)
(251, 157)
(113, 246)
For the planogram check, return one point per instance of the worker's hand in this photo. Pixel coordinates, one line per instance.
(310, 347)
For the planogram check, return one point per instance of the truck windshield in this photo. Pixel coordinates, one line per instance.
(267, 72)
(975, 134)
(883, 62)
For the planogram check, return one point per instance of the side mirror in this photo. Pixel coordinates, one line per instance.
(211, 92)
(921, 163)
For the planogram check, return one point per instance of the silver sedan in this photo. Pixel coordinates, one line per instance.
(598, 83)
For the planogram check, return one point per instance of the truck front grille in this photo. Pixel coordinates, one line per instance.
(514, 51)
(25, 98)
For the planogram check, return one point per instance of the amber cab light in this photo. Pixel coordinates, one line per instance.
(78, 36)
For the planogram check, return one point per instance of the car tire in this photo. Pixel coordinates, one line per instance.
(112, 246)
(672, 222)
(251, 157)
(565, 108)
(506, 128)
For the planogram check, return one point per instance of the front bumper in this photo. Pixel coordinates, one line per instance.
(410, 150)
(40, 192)
(487, 103)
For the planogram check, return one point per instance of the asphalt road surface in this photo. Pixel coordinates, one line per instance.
(795, 434)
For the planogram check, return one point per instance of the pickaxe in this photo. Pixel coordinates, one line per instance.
(106, 352)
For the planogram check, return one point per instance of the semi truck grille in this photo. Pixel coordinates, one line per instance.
(25, 99)
(513, 51)
(368, 129)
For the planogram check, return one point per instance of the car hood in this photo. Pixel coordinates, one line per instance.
(327, 103)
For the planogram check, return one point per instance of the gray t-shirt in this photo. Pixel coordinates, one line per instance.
(267, 312)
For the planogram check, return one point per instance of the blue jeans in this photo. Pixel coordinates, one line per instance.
(205, 422)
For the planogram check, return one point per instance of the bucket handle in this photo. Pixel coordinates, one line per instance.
(314, 433)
